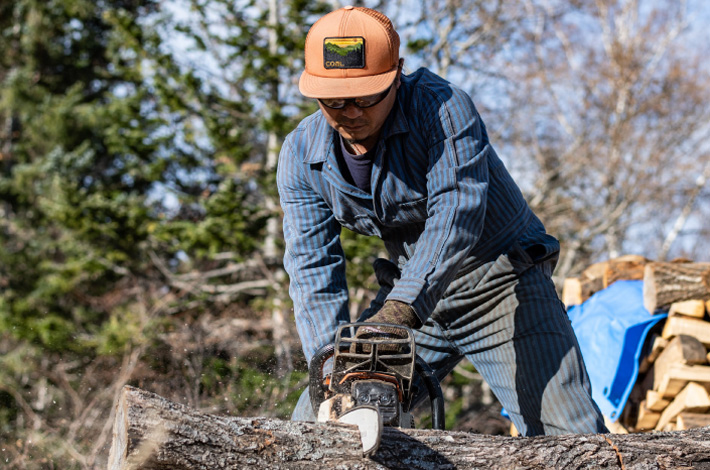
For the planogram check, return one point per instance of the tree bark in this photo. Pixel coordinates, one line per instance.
(665, 283)
(151, 432)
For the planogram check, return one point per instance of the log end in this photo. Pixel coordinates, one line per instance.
(119, 446)
(649, 289)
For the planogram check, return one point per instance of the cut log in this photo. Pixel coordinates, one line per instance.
(692, 399)
(676, 326)
(647, 418)
(599, 276)
(513, 430)
(655, 401)
(592, 279)
(658, 344)
(572, 292)
(669, 427)
(692, 421)
(665, 283)
(614, 427)
(595, 271)
(678, 377)
(683, 350)
(690, 308)
(152, 433)
(627, 267)
(589, 287)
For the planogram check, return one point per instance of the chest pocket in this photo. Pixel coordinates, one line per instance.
(354, 213)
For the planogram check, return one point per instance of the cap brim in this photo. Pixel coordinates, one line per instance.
(352, 87)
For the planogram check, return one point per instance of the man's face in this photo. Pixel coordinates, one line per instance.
(361, 127)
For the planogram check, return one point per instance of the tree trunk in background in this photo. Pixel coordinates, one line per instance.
(153, 433)
(680, 222)
(282, 348)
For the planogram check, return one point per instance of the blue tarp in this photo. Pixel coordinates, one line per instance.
(611, 327)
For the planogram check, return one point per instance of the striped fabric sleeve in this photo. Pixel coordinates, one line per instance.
(457, 186)
(313, 258)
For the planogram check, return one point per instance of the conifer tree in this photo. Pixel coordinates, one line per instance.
(103, 181)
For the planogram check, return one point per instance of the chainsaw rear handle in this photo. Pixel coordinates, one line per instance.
(317, 389)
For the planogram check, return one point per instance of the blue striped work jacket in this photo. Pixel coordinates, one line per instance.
(441, 200)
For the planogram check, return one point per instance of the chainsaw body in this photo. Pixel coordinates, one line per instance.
(372, 378)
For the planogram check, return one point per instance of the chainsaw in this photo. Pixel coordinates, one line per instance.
(372, 383)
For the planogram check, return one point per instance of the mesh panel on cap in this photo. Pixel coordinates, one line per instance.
(385, 22)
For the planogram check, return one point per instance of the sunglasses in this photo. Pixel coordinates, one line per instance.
(362, 102)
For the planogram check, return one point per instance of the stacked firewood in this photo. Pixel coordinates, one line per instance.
(672, 390)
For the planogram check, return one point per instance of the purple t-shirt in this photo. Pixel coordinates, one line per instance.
(356, 168)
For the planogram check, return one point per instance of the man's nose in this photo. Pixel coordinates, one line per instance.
(351, 111)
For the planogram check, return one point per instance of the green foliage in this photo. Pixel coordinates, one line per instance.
(343, 51)
(124, 330)
(418, 45)
(251, 385)
(255, 390)
(84, 153)
(123, 164)
(361, 252)
(226, 221)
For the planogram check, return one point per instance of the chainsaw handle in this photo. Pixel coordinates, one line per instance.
(426, 373)
(316, 387)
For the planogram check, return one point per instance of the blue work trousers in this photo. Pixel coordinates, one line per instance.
(505, 317)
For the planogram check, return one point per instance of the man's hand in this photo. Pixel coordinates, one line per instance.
(397, 313)
(393, 312)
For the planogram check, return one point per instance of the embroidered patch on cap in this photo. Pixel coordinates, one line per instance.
(344, 53)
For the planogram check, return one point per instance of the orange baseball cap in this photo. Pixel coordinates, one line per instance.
(350, 52)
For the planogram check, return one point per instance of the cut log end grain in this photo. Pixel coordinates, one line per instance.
(572, 292)
(692, 420)
(690, 308)
(678, 377)
(692, 399)
(655, 401)
(647, 418)
(679, 325)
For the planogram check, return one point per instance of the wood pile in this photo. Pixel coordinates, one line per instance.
(673, 387)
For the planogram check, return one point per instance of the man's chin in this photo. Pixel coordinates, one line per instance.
(354, 133)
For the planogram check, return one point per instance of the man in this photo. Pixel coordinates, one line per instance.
(406, 158)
